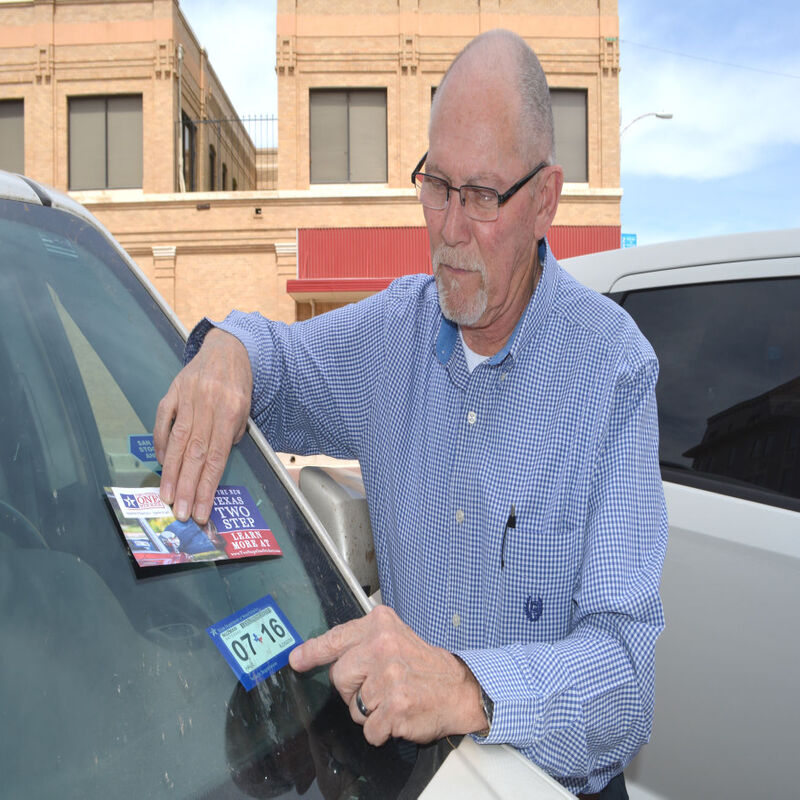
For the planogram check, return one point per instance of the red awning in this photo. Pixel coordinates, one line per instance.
(349, 263)
(578, 240)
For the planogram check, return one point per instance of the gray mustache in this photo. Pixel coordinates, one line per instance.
(453, 258)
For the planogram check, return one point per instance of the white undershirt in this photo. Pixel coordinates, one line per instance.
(472, 358)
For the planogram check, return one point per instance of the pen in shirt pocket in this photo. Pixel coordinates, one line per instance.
(511, 522)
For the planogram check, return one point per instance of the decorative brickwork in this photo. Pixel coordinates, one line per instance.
(285, 58)
(238, 248)
(409, 59)
(164, 59)
(44, 63)
(609, 55)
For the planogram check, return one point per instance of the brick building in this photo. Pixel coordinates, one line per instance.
(116, 102)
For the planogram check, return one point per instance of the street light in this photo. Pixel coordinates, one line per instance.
(659, 114)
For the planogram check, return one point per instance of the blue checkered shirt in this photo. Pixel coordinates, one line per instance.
(558, 615)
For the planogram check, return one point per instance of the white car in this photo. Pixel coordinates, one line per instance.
(723, 315)
(115, 680)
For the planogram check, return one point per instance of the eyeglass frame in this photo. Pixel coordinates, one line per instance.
(502, 198)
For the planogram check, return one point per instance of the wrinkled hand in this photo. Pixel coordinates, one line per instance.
(412, 689)
(200, 418)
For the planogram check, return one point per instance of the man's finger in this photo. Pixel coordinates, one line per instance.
(165, 414)
(173, 463)
(204, 412)
(376, 729)
(328, 647)
(216, 459)
(194, 456)
(348, 674)
(170, 460)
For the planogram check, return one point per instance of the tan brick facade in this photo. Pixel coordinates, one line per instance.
(405, 46)
(53, 51)
(208, 251)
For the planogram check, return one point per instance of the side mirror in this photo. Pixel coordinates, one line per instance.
(342, 508)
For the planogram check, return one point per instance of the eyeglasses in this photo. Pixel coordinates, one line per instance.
(480, 203)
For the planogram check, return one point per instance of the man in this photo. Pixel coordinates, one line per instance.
(505, 423)
(192, 540)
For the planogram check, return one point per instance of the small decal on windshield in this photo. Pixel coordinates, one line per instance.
(58, 245)
(255, 641)
(155, 538)
(141, 447)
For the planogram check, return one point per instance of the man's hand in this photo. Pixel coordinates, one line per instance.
(200, 418)
(411, 689)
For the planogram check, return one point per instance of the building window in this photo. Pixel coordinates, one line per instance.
(348, 136)
(12, 135)
(105, 142)
(189, 135)
(569, 119)
(224, 177)
(212, 168)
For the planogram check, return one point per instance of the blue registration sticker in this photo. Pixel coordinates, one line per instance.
(255, 641)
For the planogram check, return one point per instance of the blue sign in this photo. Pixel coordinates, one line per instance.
(141, 447)
(255, 641)
(628, 240)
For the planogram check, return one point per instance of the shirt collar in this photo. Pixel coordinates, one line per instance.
(527, 324)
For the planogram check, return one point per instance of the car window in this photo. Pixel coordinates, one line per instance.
(729, 382)
(111, 686)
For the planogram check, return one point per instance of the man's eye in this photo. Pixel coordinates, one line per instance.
(484, 197)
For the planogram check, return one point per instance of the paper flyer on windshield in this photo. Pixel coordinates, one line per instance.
(235, 528)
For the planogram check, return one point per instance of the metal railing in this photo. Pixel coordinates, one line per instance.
(233, 154)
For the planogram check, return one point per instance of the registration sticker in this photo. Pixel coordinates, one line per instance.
(255, 641)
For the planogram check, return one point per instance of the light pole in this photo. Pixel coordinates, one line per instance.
(658, 114)
(629, 239)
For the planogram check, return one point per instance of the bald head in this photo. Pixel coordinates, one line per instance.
(493, 63)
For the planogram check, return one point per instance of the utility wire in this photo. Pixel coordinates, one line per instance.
(710, 60)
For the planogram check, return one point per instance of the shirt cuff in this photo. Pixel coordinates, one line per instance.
(515, 689)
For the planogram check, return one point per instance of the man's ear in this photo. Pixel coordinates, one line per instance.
(547, 197)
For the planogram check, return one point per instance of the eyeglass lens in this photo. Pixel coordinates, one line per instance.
(478, 203)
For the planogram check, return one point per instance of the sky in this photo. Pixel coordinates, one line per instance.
(729, 159)
(729, 72)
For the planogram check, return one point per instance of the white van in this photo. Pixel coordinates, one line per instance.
(723, 315)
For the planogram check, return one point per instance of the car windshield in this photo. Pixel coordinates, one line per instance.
(111, 684)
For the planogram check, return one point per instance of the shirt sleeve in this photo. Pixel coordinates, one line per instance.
(583, 705)
(313, 380)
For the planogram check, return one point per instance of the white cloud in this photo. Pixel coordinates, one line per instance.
(726, 120)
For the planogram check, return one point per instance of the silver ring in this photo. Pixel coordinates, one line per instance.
(360, 703)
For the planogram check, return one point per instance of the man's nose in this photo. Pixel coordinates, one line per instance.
(456, 225)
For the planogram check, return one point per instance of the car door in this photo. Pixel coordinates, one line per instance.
(728, 340)
(112, 679)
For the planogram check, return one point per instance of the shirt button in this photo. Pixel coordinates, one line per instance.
(459, 516)
(472, 417)
(456, 620)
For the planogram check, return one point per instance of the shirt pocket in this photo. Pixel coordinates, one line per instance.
(537, 583)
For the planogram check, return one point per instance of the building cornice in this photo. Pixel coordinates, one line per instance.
(582, 191)
(125, 198)
(325, 195)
